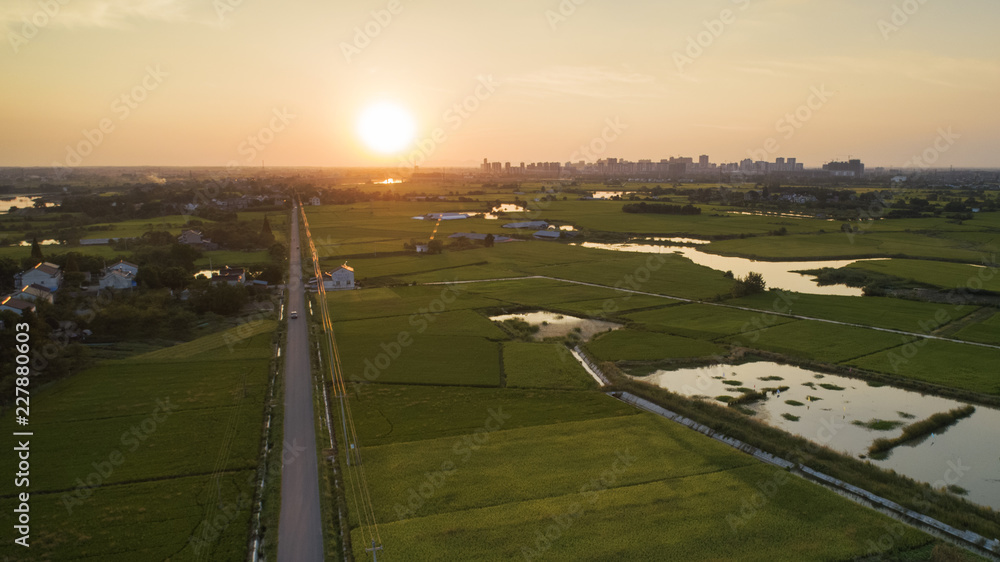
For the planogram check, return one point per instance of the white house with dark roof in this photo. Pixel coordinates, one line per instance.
(48, 275)
(125, 267)
(340, 279)
(33, 293)
(16, 305)
(116, 279)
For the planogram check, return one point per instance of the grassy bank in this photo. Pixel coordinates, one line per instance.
(904, 491)
(921, 428)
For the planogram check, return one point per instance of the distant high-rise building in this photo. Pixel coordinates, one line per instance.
(851, 168)
(703, 161)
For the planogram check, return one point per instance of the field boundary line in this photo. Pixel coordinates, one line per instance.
(731, 306)
(967, 539)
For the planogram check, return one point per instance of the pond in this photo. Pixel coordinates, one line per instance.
(778, 275)
(832, 410)
(21, 202)
(49, 242)
(555, 325)
(678, 241)
(609, 194)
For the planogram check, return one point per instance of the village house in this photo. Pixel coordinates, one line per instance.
(125, 267)
(48, 275)
(33, 293)
(15, 305)
(231, 275)
(341, 278)
(116, 279)
(190, 237)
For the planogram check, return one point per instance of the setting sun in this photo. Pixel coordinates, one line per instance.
(386, 128)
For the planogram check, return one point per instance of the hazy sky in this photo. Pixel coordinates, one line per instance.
(538, 80)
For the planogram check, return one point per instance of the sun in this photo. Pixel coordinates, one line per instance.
(386, 127)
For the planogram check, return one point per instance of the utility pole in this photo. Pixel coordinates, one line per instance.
(374, 550)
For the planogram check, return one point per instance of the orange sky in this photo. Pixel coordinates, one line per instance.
(185, 82)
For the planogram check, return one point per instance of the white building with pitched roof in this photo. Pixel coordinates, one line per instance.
(340, 279)
(48, 275)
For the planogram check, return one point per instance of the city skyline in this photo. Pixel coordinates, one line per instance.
(108, 82)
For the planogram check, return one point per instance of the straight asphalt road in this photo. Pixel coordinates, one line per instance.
(300, 530)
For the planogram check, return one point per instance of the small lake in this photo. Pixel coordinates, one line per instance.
(782, 215)
(826, 415)
(20, 202)
(680, 241)
(609, 194)
(777, 274)
(554, 325)
(49, 242)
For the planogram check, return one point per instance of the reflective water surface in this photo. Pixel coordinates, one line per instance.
(964, 454)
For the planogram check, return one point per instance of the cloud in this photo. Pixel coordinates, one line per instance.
(585, 81)
(102, 13)
(952, 72)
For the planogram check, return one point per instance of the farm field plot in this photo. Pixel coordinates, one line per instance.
(894, 314)
(839, 246)
(403, 301)
(428, 359)
(158, 442)
(399, 414)
(664, 274)
(714, 221)
(540, 292)
(137, 227)
(616, 306)
(821, 341)
(456, 323)
(482, 512)
(543, 365)
(986, 331)
(943, 275)
(143, 521)
(703, 321)
(106, 252)
(945, 363)
(649, 346)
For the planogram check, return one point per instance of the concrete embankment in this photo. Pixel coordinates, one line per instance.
(973, 542)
